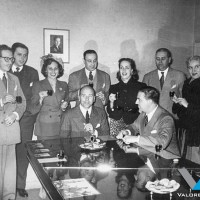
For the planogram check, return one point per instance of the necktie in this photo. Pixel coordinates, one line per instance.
(87, 118)
(4, 79)
(17, 68)
(162, 80)
(90, 76)
(145, 120)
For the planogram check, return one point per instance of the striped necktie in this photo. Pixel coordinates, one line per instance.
(162, 80)
(4, 79)
(145, 120)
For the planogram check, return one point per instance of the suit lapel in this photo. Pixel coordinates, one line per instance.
(98, 80)
(83, 77)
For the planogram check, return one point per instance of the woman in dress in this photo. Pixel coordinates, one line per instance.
(188, 108)
(50, 98)
(121, 108)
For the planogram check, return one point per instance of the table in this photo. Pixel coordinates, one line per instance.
(108, 173)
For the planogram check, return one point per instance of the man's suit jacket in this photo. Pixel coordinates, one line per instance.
(49, 113)
(173, 82)
(27, 77)
(101, 83)
(55, 49)
(159, 130)
(11, 134)
(73, 122)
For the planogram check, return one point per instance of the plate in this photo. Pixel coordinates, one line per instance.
(163, 186)
(92, 146)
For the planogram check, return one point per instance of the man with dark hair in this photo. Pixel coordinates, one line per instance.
(10, 112)
(154, 126)
(165, 78)
(96, 78)
(56, 48)
(85, 119)
(27, 76)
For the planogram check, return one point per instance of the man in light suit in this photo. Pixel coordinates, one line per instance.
(96, 78)
(10, 113)
(85, 119)
(154, 126)
(27, 76)
(171, 80)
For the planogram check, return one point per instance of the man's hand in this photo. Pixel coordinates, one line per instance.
(89, 128)
(9, 120)
(101, 96)
(42, 94)
(8, 99)
(64, 105)
(129, 149)
(112, 97)
(121, 134)
(128, 139)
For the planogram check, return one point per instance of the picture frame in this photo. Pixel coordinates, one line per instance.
(57, 43)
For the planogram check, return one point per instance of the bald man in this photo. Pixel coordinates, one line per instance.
(85, 119)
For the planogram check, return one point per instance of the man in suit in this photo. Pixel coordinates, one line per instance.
(27, 76)
(56, 48)
(154, 126)
(96, 78)
(85, 119)
(165, 78)
(10, 113)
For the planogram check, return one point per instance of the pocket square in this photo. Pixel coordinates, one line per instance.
(173, 86)
(31, 84)
(15, 89)
(103, 85)
(98, 125)
(154, 131)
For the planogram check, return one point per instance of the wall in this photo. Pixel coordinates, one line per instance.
(115, 28)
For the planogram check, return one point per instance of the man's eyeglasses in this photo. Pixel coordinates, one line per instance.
(7, 59)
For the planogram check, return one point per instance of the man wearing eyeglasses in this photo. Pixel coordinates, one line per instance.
(10, 113)
(27, 76)
(92, 76)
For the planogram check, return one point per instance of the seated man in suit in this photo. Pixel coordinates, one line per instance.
(85, 119)
(96, 78)
(154, 126)
(165, 78)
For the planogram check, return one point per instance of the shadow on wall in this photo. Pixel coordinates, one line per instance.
(91, 44)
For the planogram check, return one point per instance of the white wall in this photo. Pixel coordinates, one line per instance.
(115, 28)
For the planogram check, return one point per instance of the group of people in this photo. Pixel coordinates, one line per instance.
(138, 112)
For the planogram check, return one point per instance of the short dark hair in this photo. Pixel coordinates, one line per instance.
(90, 51)
(18, 44)
(4, 47)
(169, 54)
(135, 75)
(48, 62)
(87, 86)
(151, 93)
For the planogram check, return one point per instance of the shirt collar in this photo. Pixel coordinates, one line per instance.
(14, 68)
(83, 110)
(88, 72)
(150, 115)
(165, 73)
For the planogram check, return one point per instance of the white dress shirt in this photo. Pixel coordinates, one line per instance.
(165, 73)
(88, 72)
(14, 68)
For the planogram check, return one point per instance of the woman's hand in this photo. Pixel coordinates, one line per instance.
(42, 94)
(112, 97)
(64, 105)
(174, 99)
(89, 128)
(183, 102)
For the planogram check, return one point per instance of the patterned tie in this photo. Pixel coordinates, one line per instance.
(90, 76)
(145, 120)
(4, 79)
(87, 118)
(162, 80)
(17, 68)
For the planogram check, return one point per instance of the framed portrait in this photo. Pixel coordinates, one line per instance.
(56, 42)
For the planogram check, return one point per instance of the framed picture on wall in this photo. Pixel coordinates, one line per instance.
(56, 42)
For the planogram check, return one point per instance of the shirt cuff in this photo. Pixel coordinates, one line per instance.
(138, 139)
(1, 102)
(17, 118)
(128, 132)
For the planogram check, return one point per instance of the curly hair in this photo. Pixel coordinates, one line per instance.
(48, 62)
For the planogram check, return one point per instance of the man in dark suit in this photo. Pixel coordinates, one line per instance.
(56, 48)
(96, 78)
(27, 76)
(154, 126)
(10, 113)
(85, 119)
(165, 78)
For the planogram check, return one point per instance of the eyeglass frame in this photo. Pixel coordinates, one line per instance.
(7, 59)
